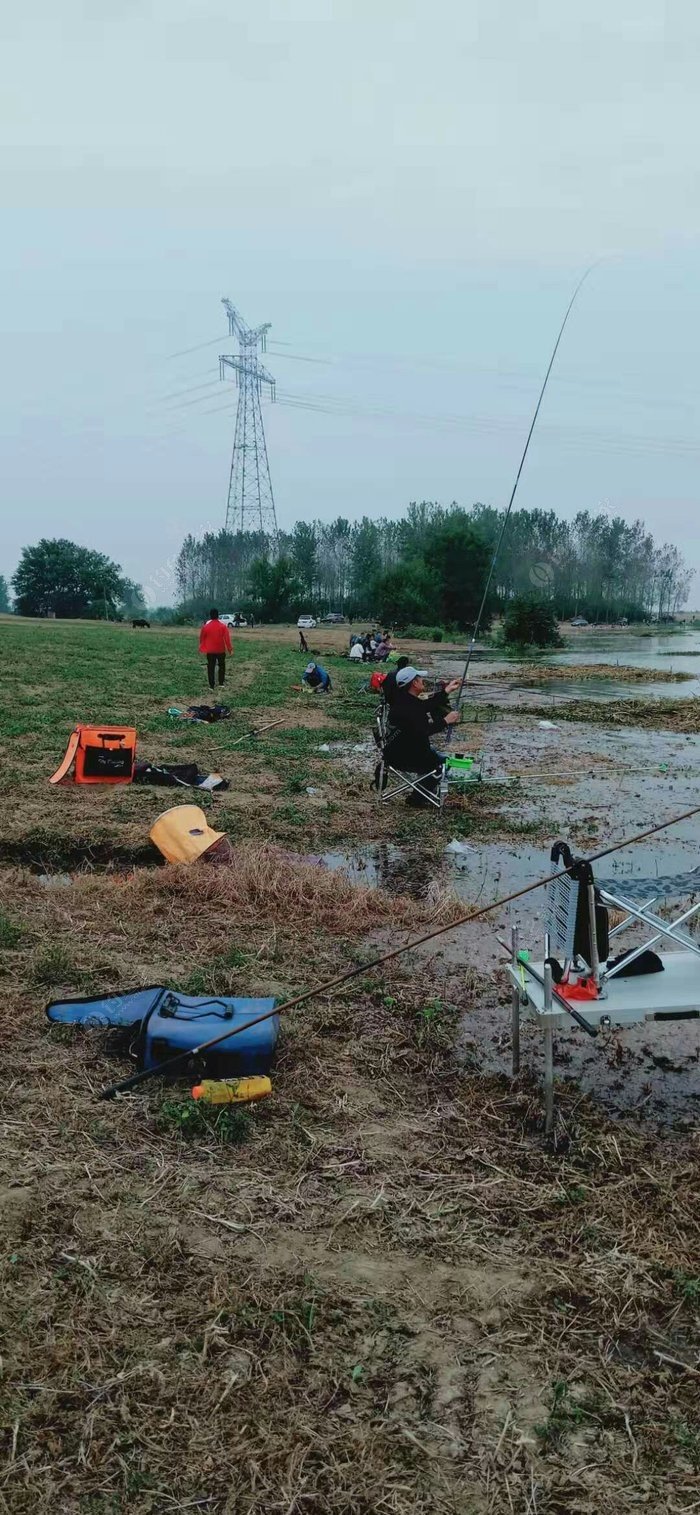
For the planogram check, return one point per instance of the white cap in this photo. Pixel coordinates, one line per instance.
(407, 675)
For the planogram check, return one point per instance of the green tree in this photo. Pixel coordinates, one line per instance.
(531, 623)
(274, 589)
(303, 548)
(365, 565)
(4, 596)
(406, 595)
(132, 602)
(457, 558)
(62, 578)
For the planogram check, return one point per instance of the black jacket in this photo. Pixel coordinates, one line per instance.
(412, 724)
(389, 689)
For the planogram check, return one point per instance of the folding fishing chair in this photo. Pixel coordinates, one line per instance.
(429, 788)
(636, 898)
(576, 923)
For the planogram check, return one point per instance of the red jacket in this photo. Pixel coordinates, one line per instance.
(215, 637)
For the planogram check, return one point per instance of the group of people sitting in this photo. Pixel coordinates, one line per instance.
(373, 647)
(411, 724)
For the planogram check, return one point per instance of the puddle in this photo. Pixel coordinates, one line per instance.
(650, 1072)
(398, 870)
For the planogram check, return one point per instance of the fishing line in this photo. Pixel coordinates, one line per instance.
(170, 1063)
(514, 490)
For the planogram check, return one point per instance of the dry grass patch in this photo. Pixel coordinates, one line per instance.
(619, 673)
(264, 884)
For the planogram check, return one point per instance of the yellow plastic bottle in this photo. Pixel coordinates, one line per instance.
(232, 1091)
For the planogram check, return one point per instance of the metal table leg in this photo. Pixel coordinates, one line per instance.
(548, 1079)
(548, 1054)
(515, 1005)
(515, 1029)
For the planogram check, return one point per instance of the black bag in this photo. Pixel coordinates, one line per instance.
(208, 713)
(647, 962)
(174, 775)
(168, 775)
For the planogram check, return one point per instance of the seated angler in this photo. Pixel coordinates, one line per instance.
(413, 722)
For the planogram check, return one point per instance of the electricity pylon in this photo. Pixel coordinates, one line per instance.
(251, 503)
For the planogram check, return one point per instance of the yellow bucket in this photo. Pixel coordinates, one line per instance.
(182, 834)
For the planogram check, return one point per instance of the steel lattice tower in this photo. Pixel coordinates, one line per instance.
(251, 503)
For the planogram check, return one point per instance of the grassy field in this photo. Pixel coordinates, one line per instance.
(379, 1291)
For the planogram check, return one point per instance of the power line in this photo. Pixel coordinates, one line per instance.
(176, 394)
(185, 351)
(344, 407)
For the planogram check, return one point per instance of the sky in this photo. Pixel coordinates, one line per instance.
(409, 195)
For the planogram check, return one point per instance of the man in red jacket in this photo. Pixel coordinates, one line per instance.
(215, 641)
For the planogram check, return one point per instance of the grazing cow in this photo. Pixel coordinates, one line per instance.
(141, 623)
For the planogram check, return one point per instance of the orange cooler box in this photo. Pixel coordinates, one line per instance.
(101, 754)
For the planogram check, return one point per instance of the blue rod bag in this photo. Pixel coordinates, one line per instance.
(166, 1022)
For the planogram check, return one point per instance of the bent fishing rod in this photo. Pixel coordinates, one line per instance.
(171, 1063)
(521, 465)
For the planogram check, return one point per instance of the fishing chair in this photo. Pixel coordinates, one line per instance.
(578, 919)
(429, 788)
(390, 781)
(636, 898)
(579, 980)
(576, 927)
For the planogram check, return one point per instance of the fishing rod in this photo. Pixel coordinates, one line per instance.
(169, 1064)
(499, 542)
(258, 730)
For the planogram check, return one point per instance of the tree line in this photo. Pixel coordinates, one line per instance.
(431, 566)
(427, 569)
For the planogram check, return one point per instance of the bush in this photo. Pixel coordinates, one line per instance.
(531, 623)
(424, 633)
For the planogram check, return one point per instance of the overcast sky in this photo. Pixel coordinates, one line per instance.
(409, 194)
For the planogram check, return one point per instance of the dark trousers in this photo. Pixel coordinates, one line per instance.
(212, 659)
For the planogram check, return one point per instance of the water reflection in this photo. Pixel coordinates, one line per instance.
(399, 870)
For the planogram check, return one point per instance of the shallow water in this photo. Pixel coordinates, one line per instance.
(379, 865)
(664, 654)
(592, 788)
(606, 690)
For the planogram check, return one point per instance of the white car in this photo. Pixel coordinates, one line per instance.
(306, 623)
(234, 620)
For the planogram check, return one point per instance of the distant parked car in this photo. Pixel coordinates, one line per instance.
(306, 623)
(235, 619)
(579, 620)
(334, 618)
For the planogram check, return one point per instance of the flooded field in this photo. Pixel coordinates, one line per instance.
(591, 787)
(663, 655)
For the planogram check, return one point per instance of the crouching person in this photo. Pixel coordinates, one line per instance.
(317, 679)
